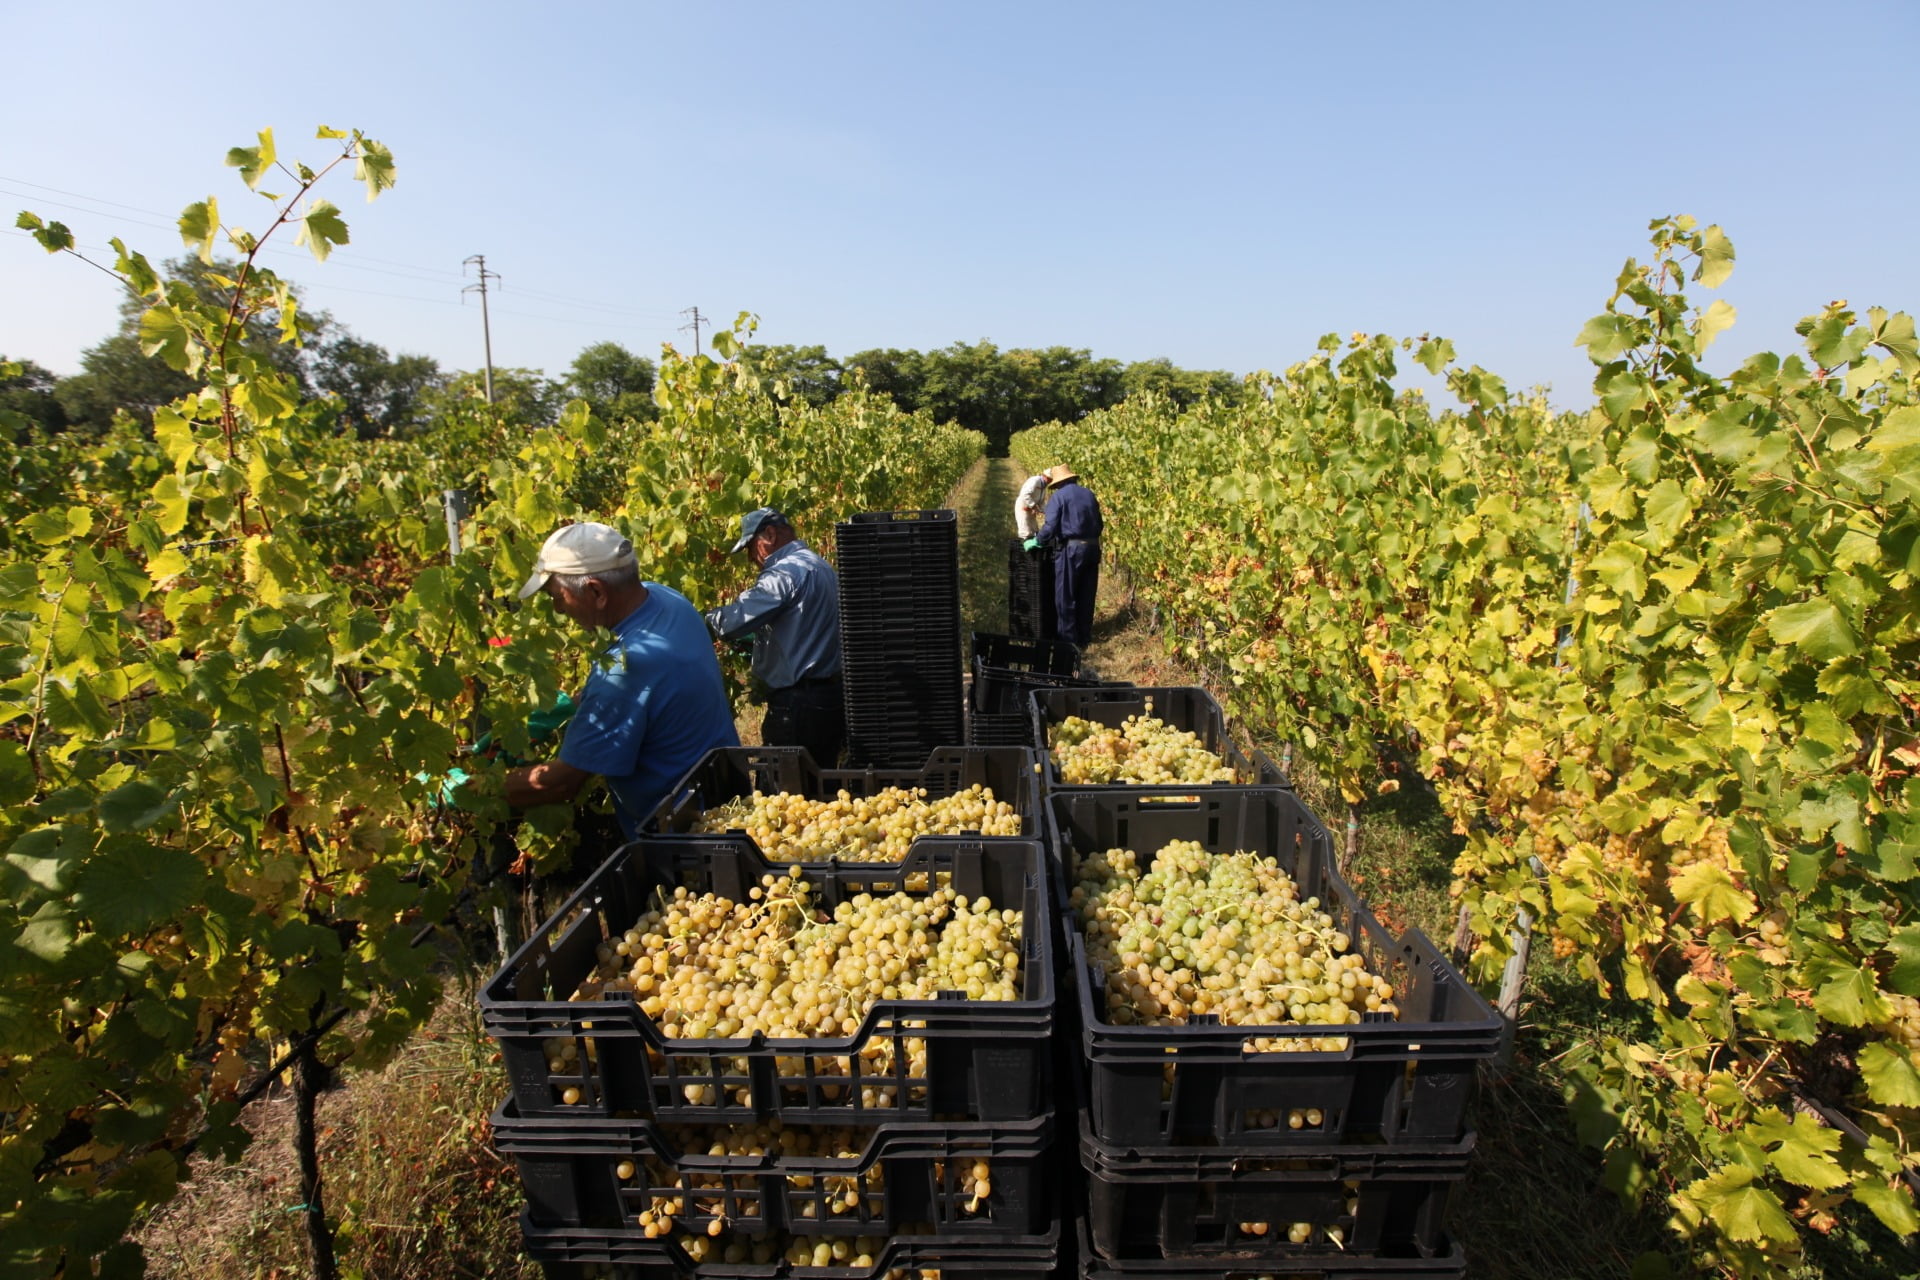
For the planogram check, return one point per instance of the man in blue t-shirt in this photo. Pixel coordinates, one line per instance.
(654, 703)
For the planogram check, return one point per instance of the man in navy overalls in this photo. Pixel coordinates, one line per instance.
(1073, 526)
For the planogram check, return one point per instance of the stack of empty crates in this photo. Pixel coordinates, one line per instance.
(1030, 614)
(1199, 1157)
(647, 1155)
(900, 635)
(1005, 670)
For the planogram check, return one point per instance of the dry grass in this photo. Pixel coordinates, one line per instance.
(413, 1185)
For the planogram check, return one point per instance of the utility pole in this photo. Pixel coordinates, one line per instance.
(697, 321)
(486, 329)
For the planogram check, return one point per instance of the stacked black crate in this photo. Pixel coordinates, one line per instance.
(900, 635)
(933, 1120)
(919, 1135)
(1330, 1149)
(1005, 670)
(1030, 613)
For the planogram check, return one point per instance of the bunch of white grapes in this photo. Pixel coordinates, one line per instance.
(876, 828)
(1223, 934)
(706, 967)
(1142, 750)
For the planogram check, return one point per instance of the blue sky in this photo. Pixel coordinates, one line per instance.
(1218, 184)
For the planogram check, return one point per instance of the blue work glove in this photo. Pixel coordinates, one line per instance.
(1031, 544)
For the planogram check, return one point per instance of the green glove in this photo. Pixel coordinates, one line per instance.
(447, 792)
(1031, 544)
(542, 724)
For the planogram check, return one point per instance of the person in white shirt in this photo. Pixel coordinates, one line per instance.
(1027, 507)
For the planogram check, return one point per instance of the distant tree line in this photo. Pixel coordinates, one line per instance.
(980, 386)
(375, 392)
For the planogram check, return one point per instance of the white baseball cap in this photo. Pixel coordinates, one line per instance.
(579, 548)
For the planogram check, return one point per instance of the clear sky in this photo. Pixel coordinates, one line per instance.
(1218, 183)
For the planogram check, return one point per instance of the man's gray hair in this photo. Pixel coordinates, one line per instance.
(616, 579)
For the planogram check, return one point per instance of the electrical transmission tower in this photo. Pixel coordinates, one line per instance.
(694, 325)
(486, 329)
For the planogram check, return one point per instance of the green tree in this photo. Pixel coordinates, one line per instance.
(615, 382)
(378, 394)
(1184, 387)
(28, 390)
(524, 396)
(807, 374)
(898, 375)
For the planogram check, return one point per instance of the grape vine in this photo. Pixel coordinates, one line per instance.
(235, 664)
(1663, 650)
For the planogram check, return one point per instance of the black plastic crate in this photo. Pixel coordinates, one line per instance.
(1007, 668)
(894, 524)
(1448, 1263)
(984, 730)
(900, 660)
(1397, 1080)
(1032, 657)
(587, 1253)
(984, 1060)
(607, 1171)
(1270, 820)
(1185, 707)
(881, 741)
(727, 773)
(1156, 1203)
(1030, 610)
(898, 714)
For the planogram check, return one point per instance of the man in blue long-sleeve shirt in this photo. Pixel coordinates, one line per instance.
(792, 611)
(1073, 526)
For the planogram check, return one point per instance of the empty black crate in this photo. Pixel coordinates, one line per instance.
(984, 730)
(608, 1171)
(728, 773)
(1185, 707)
(568, 1252)
(984, 1060)
(1030, 611)
(1006, 669)
(900, 634)
(1396, 1080)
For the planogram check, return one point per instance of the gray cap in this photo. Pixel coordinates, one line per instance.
(754, 521)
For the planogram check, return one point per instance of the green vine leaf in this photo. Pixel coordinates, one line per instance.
(1801, 1149)
(1816, 628)
(321, 228)
(255, 161)
(1711, 892)
(1716, 258)
(1888, 1072)
(1891, 1203)
(134, 806)
(129, 887)
(1743, 1210)
(200, 226)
